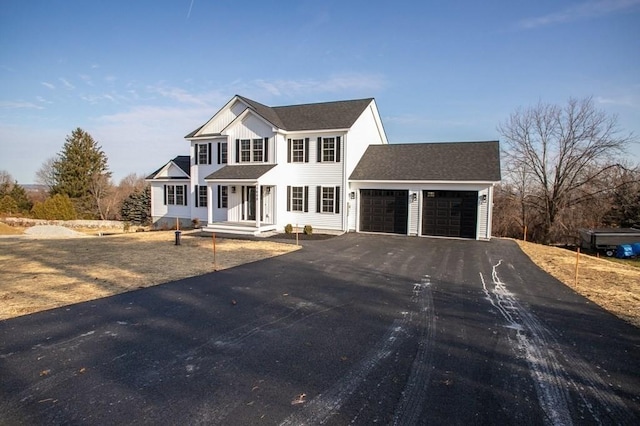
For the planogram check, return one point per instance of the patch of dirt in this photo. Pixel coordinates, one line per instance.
(39, 274)
(611, 285)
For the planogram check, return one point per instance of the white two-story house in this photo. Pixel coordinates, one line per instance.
(254, 168)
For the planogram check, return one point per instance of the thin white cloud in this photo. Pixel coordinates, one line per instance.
(67, 84)
(48, 85)
(19, 105)
(86, 79)
(585, 10)
(179, 95)
(357, 82)
(43, 100)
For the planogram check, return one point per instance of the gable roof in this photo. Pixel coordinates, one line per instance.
(447, 161)
(317, 116)
(182, 161)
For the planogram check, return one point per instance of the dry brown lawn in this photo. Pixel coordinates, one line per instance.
(39, 274)
(612, 285)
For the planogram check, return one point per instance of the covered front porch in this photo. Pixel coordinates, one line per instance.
(242, 202)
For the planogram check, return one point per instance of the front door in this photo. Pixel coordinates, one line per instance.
(251, 203)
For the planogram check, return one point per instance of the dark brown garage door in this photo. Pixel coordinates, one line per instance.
(383, 210)
(450, 213)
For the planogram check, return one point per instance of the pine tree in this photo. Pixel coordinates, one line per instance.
(136, 208)
(80, 169)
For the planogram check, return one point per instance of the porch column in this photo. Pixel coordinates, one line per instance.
(210, 204)
(258, 205)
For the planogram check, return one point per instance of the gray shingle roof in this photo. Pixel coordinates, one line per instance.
(448, 161)
(318, 116)
(240, 172)
(182, 161)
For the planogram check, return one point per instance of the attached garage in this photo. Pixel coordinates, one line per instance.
(425, 189)
(450, 213)
(384, 210)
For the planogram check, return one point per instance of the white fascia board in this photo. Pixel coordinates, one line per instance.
(164, 179)
(207, 138)
(427, 182)
(314, 131)
(233, 181)
(241, 117)
(379, 124)
(165, 168)
(226, 106)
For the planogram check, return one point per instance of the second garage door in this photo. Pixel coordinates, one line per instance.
(450, 213)
(384, 210)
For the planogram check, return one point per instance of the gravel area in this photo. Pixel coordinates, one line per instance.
(52, 231)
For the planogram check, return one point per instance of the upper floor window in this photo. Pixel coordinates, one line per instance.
(329, 149)
(222, 153)
(245, 150)
(258, 145)
(298, 150)
(252, 150)
(203, 153)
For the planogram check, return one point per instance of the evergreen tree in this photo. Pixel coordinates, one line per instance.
(10, 188)
(80, 171)
(136, 208)
(58, 207)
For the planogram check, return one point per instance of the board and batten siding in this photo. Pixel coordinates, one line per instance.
(223, 118)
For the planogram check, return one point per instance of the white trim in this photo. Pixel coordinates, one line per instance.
(241, 116)
(423, 182)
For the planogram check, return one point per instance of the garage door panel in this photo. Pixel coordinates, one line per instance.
(450, 213)
(384, 211)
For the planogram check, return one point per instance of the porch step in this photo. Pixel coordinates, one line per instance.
(237, 228)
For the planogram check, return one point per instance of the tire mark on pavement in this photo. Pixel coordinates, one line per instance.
(542, 353)
(546, 372)
(414, 394)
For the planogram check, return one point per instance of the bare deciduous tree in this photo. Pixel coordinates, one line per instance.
(46, 173)
(559, 152)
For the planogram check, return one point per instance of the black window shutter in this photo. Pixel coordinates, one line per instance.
(219, 197)
(237, 150)
(197, 195)
(266, 150)
(319, 149)
(318, 198)
(219, 151)
(288, 198)
(196, 149)
(338, 149)
(185, 194)
(165, 195)
(288, 150)
(337, 199)
(306, 199)
(306, 150)
(209, 152)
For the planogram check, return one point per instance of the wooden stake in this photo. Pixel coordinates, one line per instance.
(525, 233)
(575, 282)
(215, 268)
(296, 234)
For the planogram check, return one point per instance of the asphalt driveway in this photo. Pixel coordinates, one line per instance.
(357, 329)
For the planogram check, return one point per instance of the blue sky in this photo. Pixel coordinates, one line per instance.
(140, 75)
